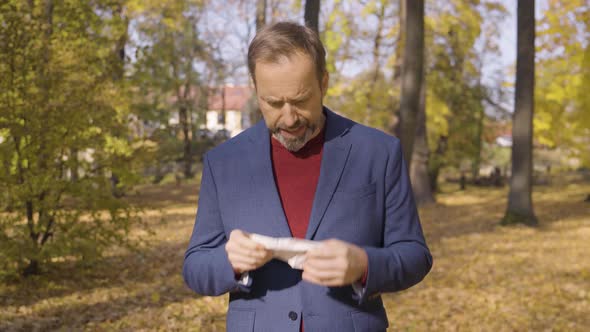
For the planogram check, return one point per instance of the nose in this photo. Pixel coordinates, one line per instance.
(290, 117)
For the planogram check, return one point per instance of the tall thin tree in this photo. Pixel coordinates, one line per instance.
(252, 107)
(420, 156)
(412, 73)
(520, 205)
(312, 14)
(377, 44)
(260, 14)
(397, 66)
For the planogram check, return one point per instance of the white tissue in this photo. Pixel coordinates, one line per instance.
(287, 249)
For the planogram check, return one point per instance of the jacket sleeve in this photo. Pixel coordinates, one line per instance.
(404, 260)
(206, 269)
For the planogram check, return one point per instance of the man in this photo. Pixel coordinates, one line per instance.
(309, 173)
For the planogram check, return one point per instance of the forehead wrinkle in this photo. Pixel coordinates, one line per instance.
(302, 94)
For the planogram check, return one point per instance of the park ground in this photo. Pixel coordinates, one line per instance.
(485, 277)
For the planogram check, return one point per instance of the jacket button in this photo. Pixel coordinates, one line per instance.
(293, 315)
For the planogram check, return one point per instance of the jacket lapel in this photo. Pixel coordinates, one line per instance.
(265, 188)
(335, 154)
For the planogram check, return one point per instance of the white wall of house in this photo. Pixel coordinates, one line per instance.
(233, 121)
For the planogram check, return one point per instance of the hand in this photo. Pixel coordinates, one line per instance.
(335, 263)
(245, 254)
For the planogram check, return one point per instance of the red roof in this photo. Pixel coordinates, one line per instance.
(236, 97)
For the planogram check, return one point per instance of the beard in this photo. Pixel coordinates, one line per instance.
(294, 144)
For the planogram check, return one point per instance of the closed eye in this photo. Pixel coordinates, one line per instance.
(275, 104)
(299, 102)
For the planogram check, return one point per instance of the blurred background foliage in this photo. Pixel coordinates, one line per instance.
(99, 98)
(90, 89)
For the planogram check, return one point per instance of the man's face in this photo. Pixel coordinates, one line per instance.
(290, 98)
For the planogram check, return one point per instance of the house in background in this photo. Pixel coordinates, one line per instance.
(228, 110)
(227, 114)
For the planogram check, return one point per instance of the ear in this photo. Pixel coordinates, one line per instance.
(325, 83)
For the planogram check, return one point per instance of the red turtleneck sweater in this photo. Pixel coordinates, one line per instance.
(296, 176)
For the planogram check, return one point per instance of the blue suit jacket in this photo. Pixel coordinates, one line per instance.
(363, 196)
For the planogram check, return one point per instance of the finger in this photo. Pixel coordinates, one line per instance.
(325, 264)
(256, 258)
(321, 255)
(309, 277)
(237, 258)
(328, 282)
(246, 242)
(326, 257)
(245, 247)
(323, 273)
(247, 263)
(238, 233)
(337, 282)
(243, 239)
(326, 251)
(258, 253)
(241, 268)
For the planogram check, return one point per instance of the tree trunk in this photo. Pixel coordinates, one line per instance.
(520, 205)
(395, 128)
(186, 139)
(260, 14)
(477, 162)
(118, 73)
(43, 159)
(158, 172)
(254, 111)
(32, 268)
(119, 54)
(419, 166)
(377, 67)
(412, 74)
(436, 162)
(75, 165)
(433, 173)
(478, 135)
(222, 117)
(312, 14)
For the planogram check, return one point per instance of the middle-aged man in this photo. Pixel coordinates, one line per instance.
(304, 172)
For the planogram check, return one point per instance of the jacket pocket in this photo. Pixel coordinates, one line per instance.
(368, 321)
(357, 192)
(239, 320)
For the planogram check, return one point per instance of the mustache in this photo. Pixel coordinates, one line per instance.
(296, 125)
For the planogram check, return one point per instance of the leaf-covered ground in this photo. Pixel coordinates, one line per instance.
(485, 277)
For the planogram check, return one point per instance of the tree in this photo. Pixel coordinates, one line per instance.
(419, 167)
(561, 118)
(378, 10)
(260, 14)
(520, 205)
(168, 66)
(358, 95)
(459, 37)
(252, 107)
(395, 128)
(412, 73)
(62, 107)
(312, 14)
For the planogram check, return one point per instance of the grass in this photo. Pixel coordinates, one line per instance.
(485, 277)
